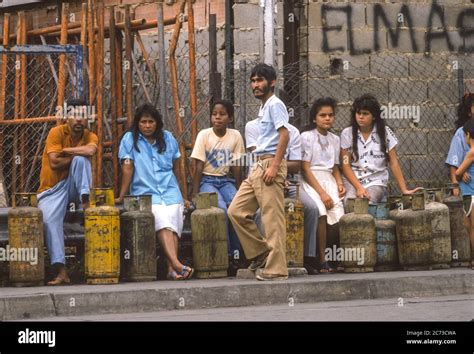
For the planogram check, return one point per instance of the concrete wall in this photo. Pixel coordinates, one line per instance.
(404, 53)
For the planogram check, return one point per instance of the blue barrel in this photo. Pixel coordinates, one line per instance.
(387, 253)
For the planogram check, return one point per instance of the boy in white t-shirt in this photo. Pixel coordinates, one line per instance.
(215, 151)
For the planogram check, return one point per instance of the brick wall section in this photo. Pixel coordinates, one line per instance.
(45, 14)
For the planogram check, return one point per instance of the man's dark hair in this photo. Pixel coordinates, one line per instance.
(264, 70)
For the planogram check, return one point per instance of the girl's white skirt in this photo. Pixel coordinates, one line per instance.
(169, 217)
(329, 184)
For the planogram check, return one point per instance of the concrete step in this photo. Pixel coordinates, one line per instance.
(42, 302)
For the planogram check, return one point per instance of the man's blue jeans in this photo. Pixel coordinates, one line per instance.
(225, 189)
(53, 203)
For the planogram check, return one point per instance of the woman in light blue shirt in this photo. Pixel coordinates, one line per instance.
(149, 155)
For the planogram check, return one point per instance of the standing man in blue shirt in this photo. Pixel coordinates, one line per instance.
(264, 187)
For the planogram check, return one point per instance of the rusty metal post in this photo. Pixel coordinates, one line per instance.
(149, 65)
(3, 77)
(113, 97)
(83, 42)
(62, 57)
(119, 78)
(177, 107)
(91, 35)
(128, 67)
(100, 92)
(23, 97)
(192, 71)
(214, 76)
(16, 114)
(162, 61)
(3, 84)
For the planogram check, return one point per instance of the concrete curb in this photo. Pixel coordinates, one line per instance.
(199, 294)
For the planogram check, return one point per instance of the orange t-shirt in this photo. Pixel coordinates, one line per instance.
(59, 138)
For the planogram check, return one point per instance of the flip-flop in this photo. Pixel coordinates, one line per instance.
(59, 281)
(325, 268)
(187, 272)
(174, 276)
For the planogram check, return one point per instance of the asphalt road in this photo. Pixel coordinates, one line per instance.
(445, 308)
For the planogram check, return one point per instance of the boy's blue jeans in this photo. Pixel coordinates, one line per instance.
(225, 189)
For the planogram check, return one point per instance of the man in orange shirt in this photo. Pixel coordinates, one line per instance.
(66, 177)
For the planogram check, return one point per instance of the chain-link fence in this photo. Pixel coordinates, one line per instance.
(425, 89)
(419, 95)
(30, 93)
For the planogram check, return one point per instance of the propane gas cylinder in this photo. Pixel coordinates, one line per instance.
(294, 214)
(358, 239)
(137, 240)
(25, 235)
(460, 243)
(209, 234)
(102, 238)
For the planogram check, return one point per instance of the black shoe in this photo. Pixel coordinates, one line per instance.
(233, 267)
(259, 262)
(311, 269)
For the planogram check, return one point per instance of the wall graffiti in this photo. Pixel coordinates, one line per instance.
(394, 27)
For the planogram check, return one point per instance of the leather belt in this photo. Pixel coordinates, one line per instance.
(264, 157)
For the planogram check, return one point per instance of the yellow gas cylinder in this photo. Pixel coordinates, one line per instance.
(209, 234)
(25, 236)
(102, 238)
(294, 215)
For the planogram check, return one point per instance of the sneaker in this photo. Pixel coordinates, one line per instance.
(259, 262)
(271, 277)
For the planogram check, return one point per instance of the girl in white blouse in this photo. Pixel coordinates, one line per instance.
(367, 149)
(320, 169)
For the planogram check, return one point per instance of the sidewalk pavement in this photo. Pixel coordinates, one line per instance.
(75, 300)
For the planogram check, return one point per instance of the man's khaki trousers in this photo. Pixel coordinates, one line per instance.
(254, 194)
